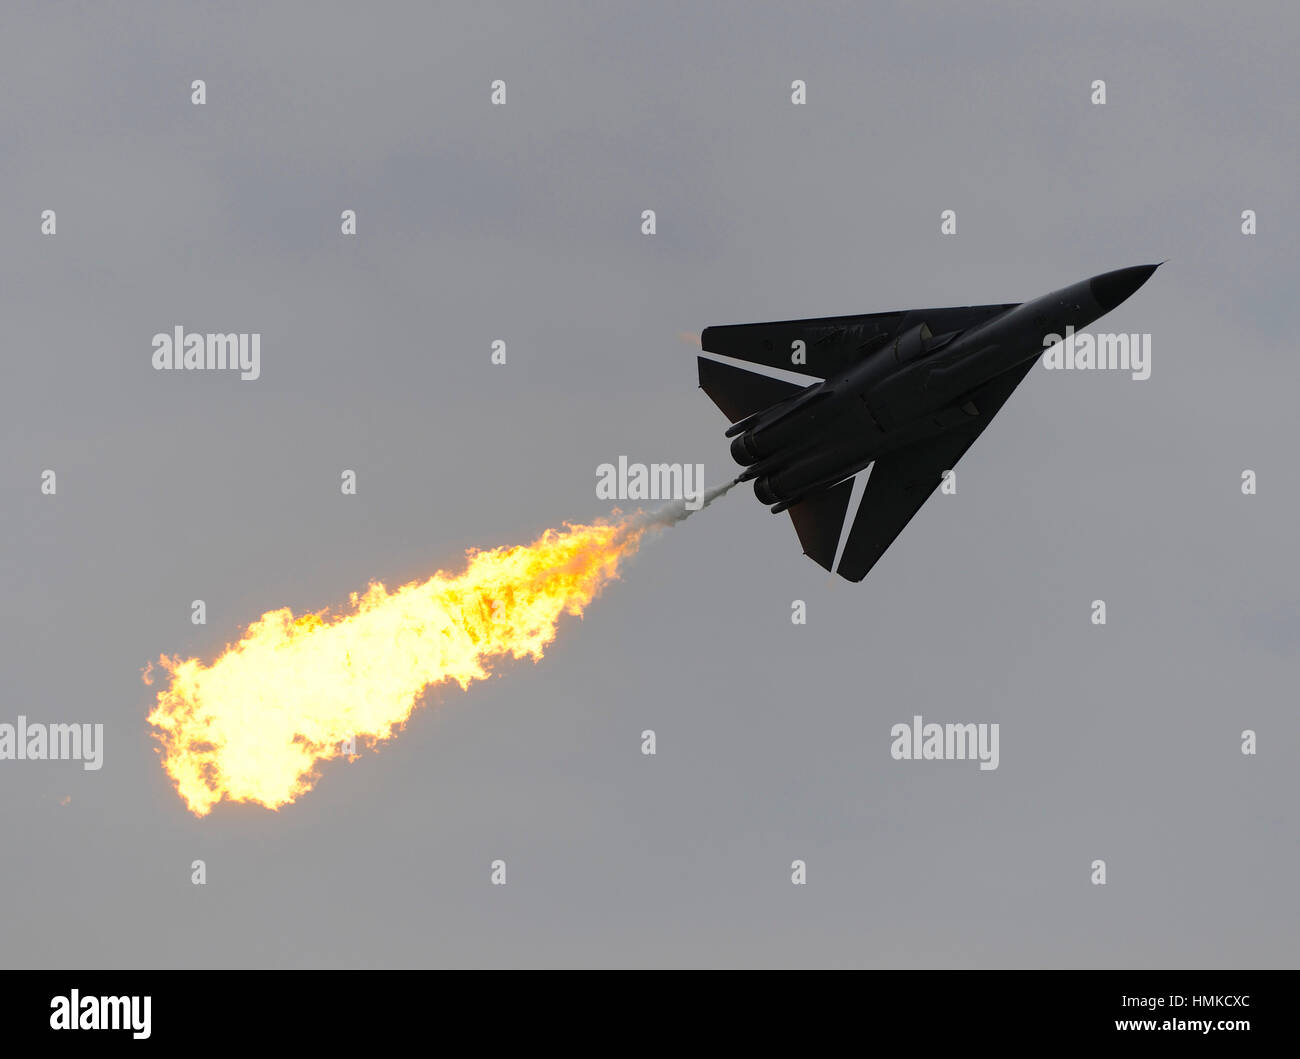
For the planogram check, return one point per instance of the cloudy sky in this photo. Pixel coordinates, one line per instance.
(522, 223)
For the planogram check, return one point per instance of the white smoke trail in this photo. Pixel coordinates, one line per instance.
(675, 511)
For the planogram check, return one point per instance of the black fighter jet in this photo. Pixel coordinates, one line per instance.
(900, 396)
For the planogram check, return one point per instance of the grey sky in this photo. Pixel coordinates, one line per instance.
(522, 223)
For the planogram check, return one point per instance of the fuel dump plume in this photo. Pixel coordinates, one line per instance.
(256, 723)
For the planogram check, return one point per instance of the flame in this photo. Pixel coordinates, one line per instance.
(255, 724)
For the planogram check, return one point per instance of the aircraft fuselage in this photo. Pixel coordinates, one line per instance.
(913, 387)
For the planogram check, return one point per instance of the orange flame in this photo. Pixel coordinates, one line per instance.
(255, 725)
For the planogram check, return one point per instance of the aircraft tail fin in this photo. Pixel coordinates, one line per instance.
(818, 519)
(740, 393)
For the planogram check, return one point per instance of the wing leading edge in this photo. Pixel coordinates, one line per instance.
(832, 344)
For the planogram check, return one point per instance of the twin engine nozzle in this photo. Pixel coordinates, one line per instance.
(743, 451)
(764, 491)
(756, 465)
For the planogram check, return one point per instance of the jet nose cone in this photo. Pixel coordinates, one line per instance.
(1111, 288)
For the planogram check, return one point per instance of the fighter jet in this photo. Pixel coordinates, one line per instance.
(898, 397)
